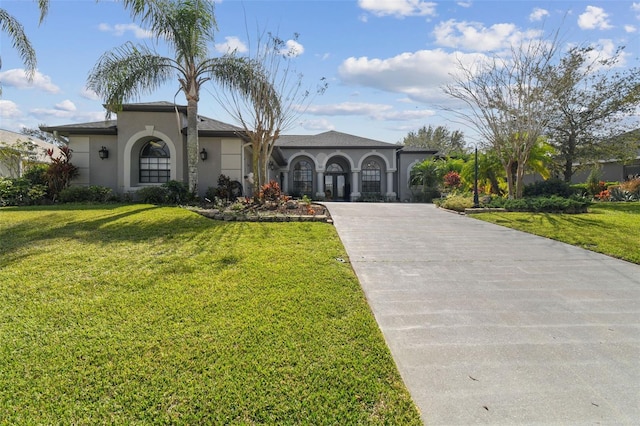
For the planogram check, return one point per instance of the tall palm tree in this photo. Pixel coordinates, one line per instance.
(188, 28)
(14, 29)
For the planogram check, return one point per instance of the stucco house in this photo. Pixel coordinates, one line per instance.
(146, 145)
(614, 170)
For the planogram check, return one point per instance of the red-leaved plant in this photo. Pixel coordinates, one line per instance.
(452, 180)
(270, 191)
(60, 171)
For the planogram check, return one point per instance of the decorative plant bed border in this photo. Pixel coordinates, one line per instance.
(263, 215)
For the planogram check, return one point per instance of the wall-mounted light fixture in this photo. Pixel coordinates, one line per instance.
(103, 153)
(203, 154)
(272, 166)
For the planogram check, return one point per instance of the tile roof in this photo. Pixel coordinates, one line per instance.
(331, 139)
(107, 127)
(10, 139)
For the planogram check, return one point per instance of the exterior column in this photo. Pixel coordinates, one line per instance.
(355, 190)
(285, 182)
(320, 186)
(390, 192)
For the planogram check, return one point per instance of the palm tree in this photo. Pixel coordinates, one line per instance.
(131, 70)
(14, 29)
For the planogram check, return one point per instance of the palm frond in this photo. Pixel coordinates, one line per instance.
(126, 73)
(14, 29)
(43, 5)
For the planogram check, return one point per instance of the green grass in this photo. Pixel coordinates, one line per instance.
(141, 314)
(609, 228)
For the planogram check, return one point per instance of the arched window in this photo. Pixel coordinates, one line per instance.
(303, 178)
(371, 176)
(334, 168)
(155, 162)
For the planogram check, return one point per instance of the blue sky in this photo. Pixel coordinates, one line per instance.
(384, 60)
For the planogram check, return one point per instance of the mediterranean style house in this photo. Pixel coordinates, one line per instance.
(146, 145)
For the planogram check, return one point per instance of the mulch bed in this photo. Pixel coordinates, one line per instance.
(283, 213)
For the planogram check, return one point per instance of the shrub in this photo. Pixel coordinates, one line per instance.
(152, 195)
(86, 194)
(60, 171)
(552, 204)
(579, 189)
(452, 180)
(546, 188)
(75, 194)
(270, 191)
(632, 186)
(222, 191)
(37, 174)
(594, 183)
(603, 195)
(427, 195)
(617, 193)
(177, 192)
(374, 197)
(20, 192)
(458, 203)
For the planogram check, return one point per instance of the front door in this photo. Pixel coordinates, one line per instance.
(335, 185)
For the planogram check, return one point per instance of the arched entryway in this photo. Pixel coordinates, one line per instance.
(337, 183)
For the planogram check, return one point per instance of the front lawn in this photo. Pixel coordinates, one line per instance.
(609, 228)
(140, 314)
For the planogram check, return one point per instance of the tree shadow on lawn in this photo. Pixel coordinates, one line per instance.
(580, 220)
(118, 223)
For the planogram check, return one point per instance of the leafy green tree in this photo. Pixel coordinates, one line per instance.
(506, 103)
(19, 40)
(591, 105)
(438, 138)
(188, 27)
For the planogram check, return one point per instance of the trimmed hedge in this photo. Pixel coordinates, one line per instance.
(87, 194)
(552, 204)
(548, 188)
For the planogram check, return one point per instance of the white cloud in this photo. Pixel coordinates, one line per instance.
(66, 105)
(65, 110)
(630, 28)
(636, 8)
(9, 110)
(418, 75)
(292, 48)
(17, 78)
(378, 112)
(594, 18)
(119, 30)
(399, 8)
(538, 14)
(89, 94)
(465, 3)
(317, 125)
(348, 108)
(231, 44)
(606, 49)
(476, 37)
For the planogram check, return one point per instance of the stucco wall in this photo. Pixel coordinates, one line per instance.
(133, 129)
(104, 172)
(353, 157)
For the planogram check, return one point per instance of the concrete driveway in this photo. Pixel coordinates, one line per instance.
(494, 326)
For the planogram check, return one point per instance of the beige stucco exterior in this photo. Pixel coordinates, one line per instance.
(338, 160)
